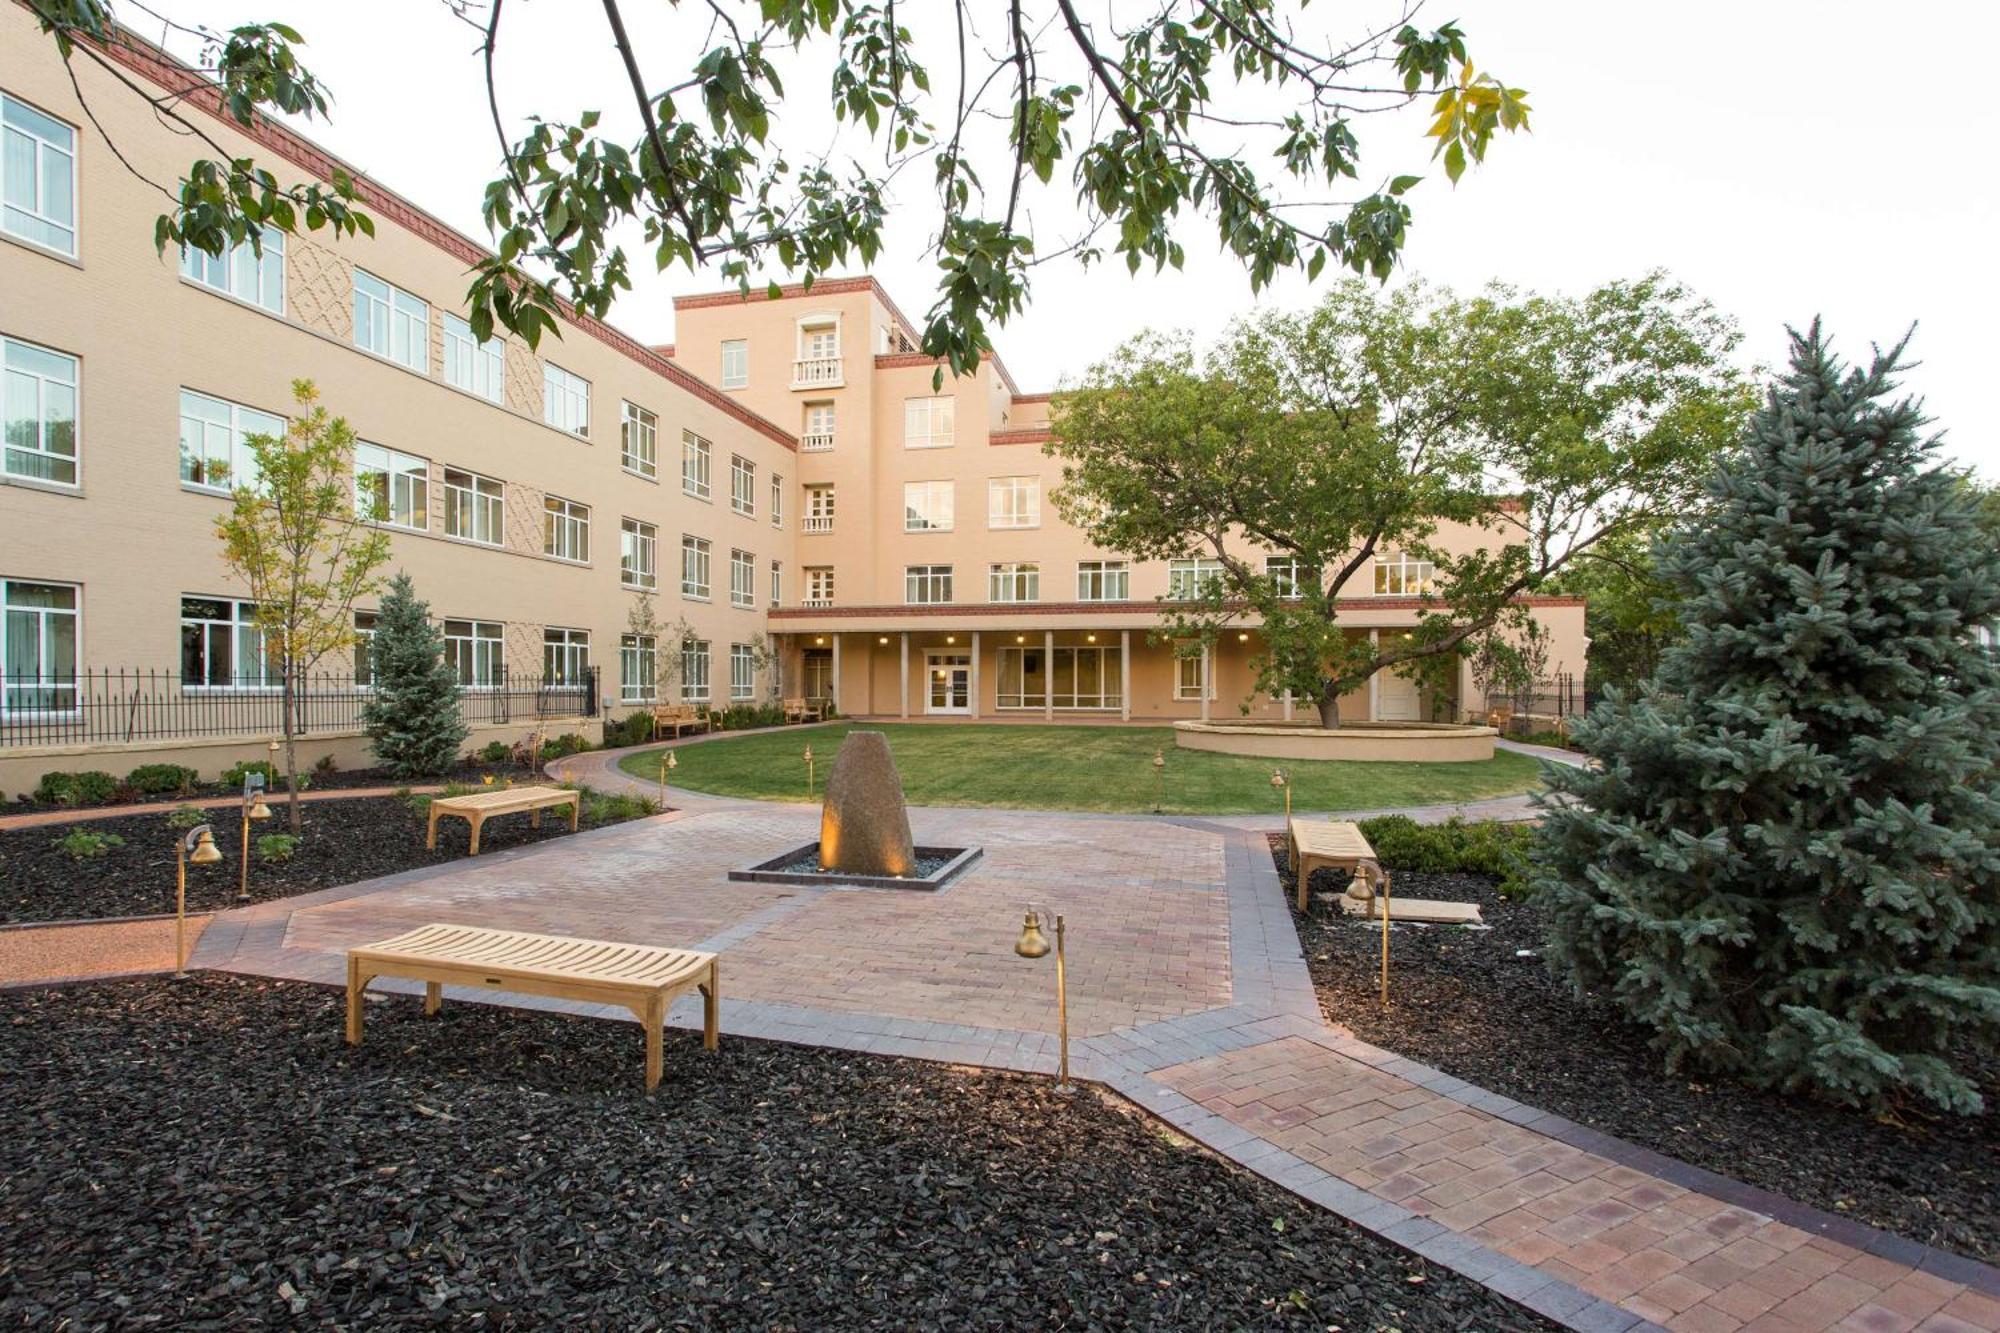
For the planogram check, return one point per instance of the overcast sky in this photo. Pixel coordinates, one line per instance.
(1785, 158)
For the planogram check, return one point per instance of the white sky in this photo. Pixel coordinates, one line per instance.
(1785, 158)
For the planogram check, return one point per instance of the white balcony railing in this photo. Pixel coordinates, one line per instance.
(816, 602)
(815, 442)
(817, 523)
(820, 372)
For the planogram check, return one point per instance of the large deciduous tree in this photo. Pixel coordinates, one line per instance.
(1243, 114)
(1784, 861)
(301, 543)
(1368, 424)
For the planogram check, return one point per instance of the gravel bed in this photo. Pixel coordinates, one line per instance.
(341, 842)
(344, 780)
(209, 1154)
(1466, 1002)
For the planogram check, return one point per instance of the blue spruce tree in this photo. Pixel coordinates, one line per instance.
(1788, 861)
(414, 723)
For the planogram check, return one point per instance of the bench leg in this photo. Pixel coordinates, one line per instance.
(431, 833)
(711, 1009)
(575, 813)
(535, 817)
(433, 996)
(1302, 869)
(475, 821)
(356, 983)
(655, 1021)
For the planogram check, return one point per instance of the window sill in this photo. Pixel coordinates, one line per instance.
(638, 587)
(702, 496)
(69, 488)
(48, 251)
(701, 597)
(256, 307)
(213, 492)
(653, 477)
(565, 560)
(459, 540)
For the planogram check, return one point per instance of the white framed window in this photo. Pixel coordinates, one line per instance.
(819, 585)
(1189, 579)
(471, 365)
(694, 465)
(742, 579)
(475, 651)
(1287, 574)
(735, 363)
(1190, 671)
(1080, 678)
(694, 671)
(1014, 581)
(819, 509)
(249, 273)
(637, 544)
(565, 399)
(1401, 575)
(565, 529)
(927, 422)
(742, 485)
(40, 403)
(222, 646)
(925, 585)
(694, 568)
(817, 437)
(391, 487)
(474, 507)
(638, 440)
(742, 672)
(1014, 502)
(391, 323)
(364, 649)
(777, 583)
(638, 669)
(37, 177)
(214, 454)
(927, 506)
(777, 500)
(820, 342)
(1103, 581)
(565, 656)
(39, 624)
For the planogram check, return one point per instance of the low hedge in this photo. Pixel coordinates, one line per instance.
(1455, 846)
(90, 787)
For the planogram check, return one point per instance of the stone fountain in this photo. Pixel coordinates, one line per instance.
(864, 831)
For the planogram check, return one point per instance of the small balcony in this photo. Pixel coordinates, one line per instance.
(815, 442)
(816, 523)
(817, 603)
(819, 372)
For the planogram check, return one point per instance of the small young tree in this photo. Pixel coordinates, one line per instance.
(414, 721)
(295, 538)
(642, 621)
(1784, 861)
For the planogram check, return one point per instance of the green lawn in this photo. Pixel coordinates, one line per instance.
(1078, 768)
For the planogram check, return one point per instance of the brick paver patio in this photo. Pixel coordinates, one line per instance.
(1188, 995)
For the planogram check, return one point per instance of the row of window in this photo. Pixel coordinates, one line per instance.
(1111, 580)
(697, 461)
(929, 506)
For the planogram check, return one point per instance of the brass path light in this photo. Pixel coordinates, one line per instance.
(198, 846)
(808, 757)
(1160, 773)
(1034, 944)
(1280, 778)
(253, 808)
(667, 765)
(1378, 881)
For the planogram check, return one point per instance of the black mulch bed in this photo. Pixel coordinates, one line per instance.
(344, 780)
(1464, 1002)
(342, 841)
(209, 1154)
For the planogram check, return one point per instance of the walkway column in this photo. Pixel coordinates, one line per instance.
(1124, 675)
(1375, 680)
(1287, 701)
(903, 694)
(1207, 676)
(974, 697)
(838, 704)
(1048, 675)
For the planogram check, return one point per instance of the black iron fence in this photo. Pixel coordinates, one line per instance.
(118, 706)
(1544, 706)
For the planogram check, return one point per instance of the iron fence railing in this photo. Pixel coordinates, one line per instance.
(115, 706)
(1542, 705)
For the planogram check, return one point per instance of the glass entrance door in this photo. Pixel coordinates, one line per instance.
(948, 683)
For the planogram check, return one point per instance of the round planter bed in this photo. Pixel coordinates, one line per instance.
(1363, 742)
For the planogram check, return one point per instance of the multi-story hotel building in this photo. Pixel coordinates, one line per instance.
(783, 483)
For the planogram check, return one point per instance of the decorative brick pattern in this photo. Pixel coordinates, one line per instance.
(319, 288)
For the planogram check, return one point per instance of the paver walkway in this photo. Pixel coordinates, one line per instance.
(90, 950)
(1189, 995)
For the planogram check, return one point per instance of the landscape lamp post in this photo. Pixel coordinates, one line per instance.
(1034, 944)
(808, 757)
(667, 765)
(1159, 773)
(198, 846)
(253, 808)
(1282, 779)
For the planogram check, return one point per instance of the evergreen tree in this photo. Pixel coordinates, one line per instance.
(413, 719)
(1786, 860)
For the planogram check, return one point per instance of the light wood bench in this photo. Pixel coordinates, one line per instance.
(1318, 843)
(640, 977)
(801, 710)
(481, 806)
(679, 718)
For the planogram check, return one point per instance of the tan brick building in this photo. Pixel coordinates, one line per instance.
(782, 485)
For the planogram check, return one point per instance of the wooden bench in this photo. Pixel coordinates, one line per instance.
(802, 710)
(679, 718)
(640, 977)
(1317, 843)
(481, 806)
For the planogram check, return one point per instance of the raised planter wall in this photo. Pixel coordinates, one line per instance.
(1362, 742)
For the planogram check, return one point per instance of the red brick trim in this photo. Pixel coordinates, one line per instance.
(937, 609)
(664, 349)
(1033, 397)
(164, 70)
(788, 292)
(1027, 435)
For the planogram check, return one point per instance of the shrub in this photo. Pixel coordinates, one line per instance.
(159, 779)
(325, 766)
(274, 781)
(90, 787)
(495, 752)
(184, 817)
(613, 807)
(565, 745)
(1453, 847)
(414, 720)
(83, 844)
(277, 848)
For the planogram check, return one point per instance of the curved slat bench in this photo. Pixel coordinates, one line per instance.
(641, 977)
